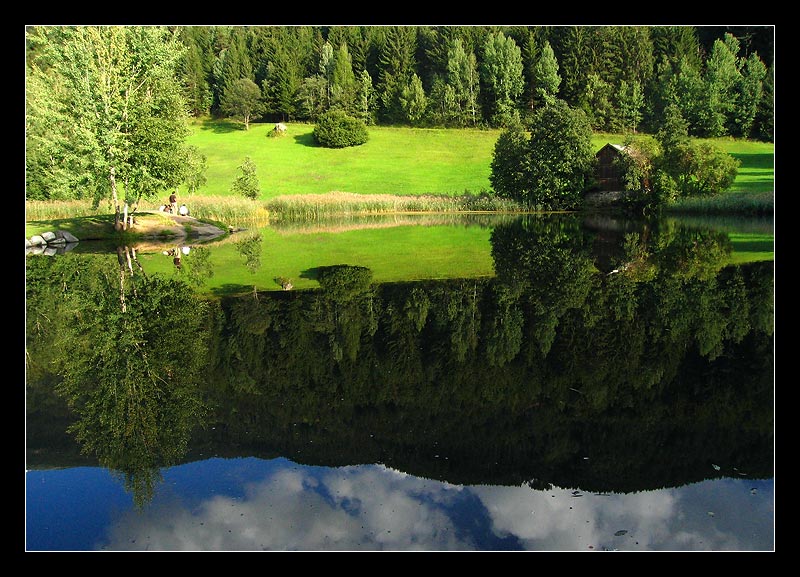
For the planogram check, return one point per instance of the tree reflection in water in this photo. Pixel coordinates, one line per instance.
(611, 360)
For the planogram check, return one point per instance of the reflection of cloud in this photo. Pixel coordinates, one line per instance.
(375, 508)
(351, 508)
(711, 516)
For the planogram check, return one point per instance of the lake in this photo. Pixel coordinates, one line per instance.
(513, 383)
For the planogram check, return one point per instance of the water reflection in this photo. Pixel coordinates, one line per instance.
(255, 505)
(598, 363)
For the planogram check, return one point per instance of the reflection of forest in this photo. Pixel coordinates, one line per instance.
(551, 373)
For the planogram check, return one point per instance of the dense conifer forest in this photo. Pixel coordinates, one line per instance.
(623, 77)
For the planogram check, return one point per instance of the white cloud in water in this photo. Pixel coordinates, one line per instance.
(709, 516)
(358, 509)
(375, 508)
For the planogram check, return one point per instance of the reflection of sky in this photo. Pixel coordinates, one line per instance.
(252, 504)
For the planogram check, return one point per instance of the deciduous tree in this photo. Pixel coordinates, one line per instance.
(242, 99)
(105, 114)
(246, 183)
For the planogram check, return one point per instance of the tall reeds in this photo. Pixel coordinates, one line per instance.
(311, 207)
(235, 211)
(739, 203)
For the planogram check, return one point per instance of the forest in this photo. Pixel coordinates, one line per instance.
(107, 107)
(622, 77)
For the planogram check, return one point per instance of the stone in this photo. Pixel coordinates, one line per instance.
(48, 236)
(37, 240)
(66, 236)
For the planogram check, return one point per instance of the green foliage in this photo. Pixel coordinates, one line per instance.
(551, 167)
(750, 92)
(546, 79)
(104, 113)
(501, 72)
(246, 184)
(560, 156)
(336, 129)
(462, 90)
(510, 165)
(631, 104)
(242, 99)
(394, 69)
(342, 280)
(413, 101)
(343, 81)
(711, 170)
(250, 247)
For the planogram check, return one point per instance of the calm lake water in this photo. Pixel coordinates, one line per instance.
(607, 385)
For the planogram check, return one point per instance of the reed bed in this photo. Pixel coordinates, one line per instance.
(741, 203)
(312, 207)
(232, 210)
(60, 209)
(235, 211)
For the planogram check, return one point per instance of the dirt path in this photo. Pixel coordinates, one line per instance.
(183, 227)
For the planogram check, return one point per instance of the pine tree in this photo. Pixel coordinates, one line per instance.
(501, 72)
(343, 81)
(750, 90)
(545, 77)
(396, 64)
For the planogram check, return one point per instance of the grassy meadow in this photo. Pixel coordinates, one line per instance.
(399, 170)
(394, 161)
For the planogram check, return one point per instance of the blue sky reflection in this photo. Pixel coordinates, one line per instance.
(253, 504)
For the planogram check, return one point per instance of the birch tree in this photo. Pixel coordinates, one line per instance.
(105, 118)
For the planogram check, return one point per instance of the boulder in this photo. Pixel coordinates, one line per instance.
(68, 237)
(48, 236)
(37, 240)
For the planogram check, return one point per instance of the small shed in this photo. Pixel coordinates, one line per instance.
(608, 174)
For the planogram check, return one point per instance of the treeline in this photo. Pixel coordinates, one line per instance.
(622, 77)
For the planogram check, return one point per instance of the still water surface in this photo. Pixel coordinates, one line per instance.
(608, 387)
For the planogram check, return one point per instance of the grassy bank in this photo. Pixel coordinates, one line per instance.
(398, 169)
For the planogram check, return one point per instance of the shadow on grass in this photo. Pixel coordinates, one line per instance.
(311, 273)
(306, 139)
(221, 126)
(755, 161)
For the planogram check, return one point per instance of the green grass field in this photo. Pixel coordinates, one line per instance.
(395, 160)
(402, 161)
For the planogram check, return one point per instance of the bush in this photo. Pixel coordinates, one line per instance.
(336, 129)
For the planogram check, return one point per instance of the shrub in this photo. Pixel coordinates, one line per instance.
(336, 129)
